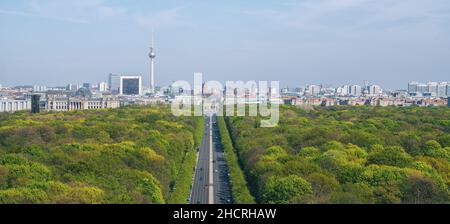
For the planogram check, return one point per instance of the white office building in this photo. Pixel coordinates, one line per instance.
(374, 90)
(103, 87)
(442, 89)
(432, 88)
(73, 87)
(355, 90)
(313, 90)
(413, 87)
(343, 90)
(421, 89)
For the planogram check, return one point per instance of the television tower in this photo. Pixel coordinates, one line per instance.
(152, 57)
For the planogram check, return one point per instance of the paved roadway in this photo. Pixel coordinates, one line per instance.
(211, 180)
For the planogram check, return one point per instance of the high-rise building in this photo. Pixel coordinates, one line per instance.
(72, 87)
(313, 90)
(114, 83)
(374, 90)
(343, 91)
(413, 87)
(448, 89)
(35, 104)
(131, 85)
(366, 84)
(125, 84)
(87, 86)
(422, 88)
(103, 87)
(442, 89)
(432, 88)
(355, 90)
(328, 91)
(365, 89)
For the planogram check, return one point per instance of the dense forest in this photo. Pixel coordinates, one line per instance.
(126, 155)
(239, 186)
(347, 155)
(146, 155)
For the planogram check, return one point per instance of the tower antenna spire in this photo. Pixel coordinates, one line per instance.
(153, 39)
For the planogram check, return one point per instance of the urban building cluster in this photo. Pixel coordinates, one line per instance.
(118, 91)
(431, 94)
(55, 98)
(123, 90)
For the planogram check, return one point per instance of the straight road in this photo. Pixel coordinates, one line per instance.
(199, 194)
(211, 179)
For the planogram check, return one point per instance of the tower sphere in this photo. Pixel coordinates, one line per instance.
(152, 54)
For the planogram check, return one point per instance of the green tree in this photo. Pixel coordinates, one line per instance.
(322, 186)
(285, 189)
(22, 196)
(434, 149)
(353, 193)
(418, 189)
(392, 155)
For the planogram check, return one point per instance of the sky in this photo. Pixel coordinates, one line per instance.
(296, 42)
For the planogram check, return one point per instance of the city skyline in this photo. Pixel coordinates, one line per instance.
(294, 42)
(147, 86)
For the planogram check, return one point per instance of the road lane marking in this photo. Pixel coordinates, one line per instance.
(211, 167)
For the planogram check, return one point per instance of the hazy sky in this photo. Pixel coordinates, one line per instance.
(389, 42)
